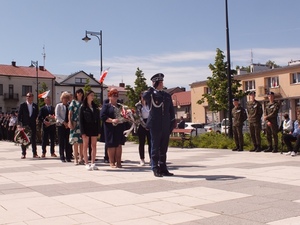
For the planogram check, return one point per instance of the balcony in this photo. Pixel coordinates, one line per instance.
(263, 91)
(9, 96)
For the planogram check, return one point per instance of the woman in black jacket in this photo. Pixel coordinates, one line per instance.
(89, 123)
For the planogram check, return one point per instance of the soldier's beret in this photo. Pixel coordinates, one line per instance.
(235, 100)
(270, 93)
(157, 77)
(252, 93)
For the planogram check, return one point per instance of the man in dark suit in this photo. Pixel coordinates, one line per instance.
(28, 113)
(46, 117)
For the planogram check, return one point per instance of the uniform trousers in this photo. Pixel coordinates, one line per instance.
(272, 131)
(238, 136)
(159, 148)
(255, 130)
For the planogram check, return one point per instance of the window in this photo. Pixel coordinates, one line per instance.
(1, 89)
(80, 80)
(296, 78)
(249, 85)
(26, 89)
(272, 82)
(207, 90)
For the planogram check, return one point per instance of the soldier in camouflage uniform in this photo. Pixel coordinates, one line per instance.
(271, 114)
(255, 112)
(239, 116)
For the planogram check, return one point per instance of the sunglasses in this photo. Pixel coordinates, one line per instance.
(29, 95)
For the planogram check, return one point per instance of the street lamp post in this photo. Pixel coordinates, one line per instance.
(36, 64)
(99, 36)
(230, 134)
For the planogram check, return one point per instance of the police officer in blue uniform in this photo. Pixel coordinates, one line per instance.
(161, 121)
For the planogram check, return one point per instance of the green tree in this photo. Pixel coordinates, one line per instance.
(272, 64)
(133, 93)
(44, 88)
(217, 84)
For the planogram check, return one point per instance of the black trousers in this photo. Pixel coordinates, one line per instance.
(144, 134)
(65, 148)
(32, 140)
(288, 138)
(48, 132)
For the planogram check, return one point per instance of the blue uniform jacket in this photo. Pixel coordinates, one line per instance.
(161, 115)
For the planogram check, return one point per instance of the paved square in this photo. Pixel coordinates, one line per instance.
(209, 187)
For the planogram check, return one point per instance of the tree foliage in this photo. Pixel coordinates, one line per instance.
(217, 94)
(272, 64)
(134, 93)
(44, 88)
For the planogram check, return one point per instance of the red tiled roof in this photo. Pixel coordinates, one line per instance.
(24, 71)
(182, 98)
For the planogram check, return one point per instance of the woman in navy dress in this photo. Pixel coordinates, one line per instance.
(113, 129)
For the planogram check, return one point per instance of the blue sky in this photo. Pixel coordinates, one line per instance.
(176, 37)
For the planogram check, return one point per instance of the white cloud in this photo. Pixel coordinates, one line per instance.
(184, 68)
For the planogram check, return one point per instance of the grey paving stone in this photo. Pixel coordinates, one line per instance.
(215, 187)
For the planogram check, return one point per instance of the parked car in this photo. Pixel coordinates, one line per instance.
(198, 128)
(225, 123)
(216, 127)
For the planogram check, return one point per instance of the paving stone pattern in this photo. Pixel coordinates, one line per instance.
(210, 186)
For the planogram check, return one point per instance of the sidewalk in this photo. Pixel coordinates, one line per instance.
(210, 187)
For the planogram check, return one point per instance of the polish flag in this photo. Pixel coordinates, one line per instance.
(44, 94)
(104, 73)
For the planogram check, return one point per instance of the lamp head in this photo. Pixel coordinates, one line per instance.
(86, 38)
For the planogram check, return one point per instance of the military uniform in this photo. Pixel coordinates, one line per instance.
(160, 123)
(239, 116)
(271, 114)
(255, 111)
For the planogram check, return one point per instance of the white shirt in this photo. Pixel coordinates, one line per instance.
(287, 125)
(145, 112)
(29, 108)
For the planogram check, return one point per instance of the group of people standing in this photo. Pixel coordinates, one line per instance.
(79, 122)
(270, 117)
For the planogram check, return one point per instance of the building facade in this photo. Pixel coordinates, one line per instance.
(283, 81)
(16, 81)
(71, 83)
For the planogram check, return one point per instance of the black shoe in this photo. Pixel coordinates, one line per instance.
(240, 150)
(270, 149)
(68, 160)
(167, 173)
(63, 160)
(157, 173)
(258, 149)
(235, 149)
